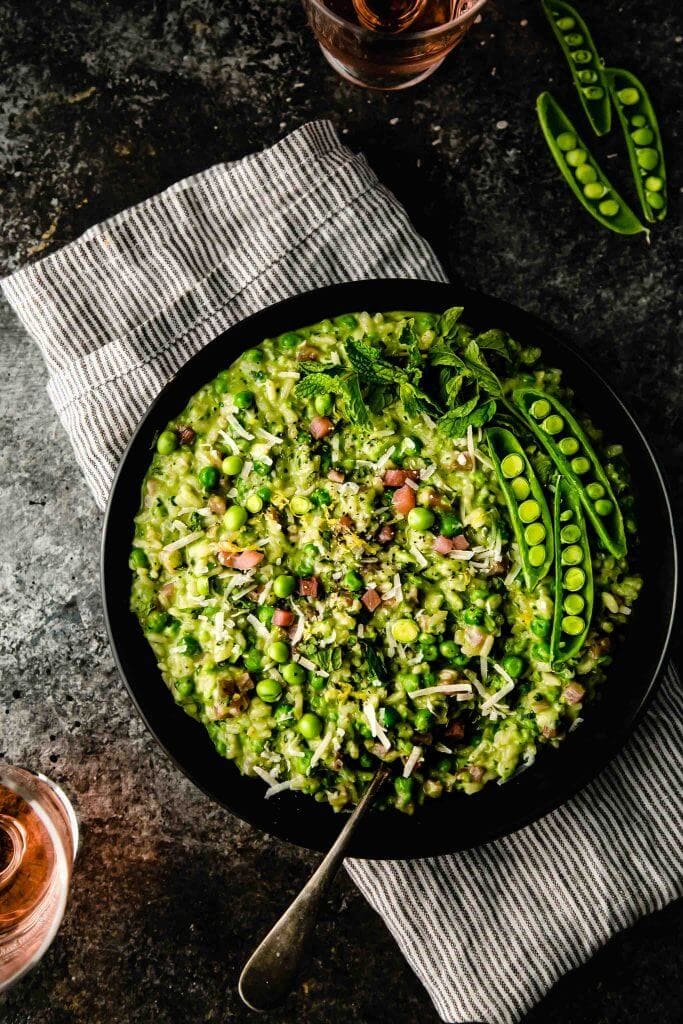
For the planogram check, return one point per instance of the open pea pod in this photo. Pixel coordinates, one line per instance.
(526, 504)
(573, 575)
(643, 140)
(584, 62)
(567, 444)
(582, 172)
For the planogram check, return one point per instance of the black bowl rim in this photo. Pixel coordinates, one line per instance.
(379, 837)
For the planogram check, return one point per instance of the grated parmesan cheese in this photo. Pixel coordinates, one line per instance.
(413, 758)
(237, 427)
(279, 787)
(183, 541)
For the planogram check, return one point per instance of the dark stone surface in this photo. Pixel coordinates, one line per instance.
(101, 105)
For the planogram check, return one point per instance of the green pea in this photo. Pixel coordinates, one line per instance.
(293, 674)
(201, 586)
(536, 555)
(628, 96)
(513, 665)
(653, 183)
(348, 320)
(647, 158)
(553, 424)
(265, 614)
(587, 77)
(388, 717)
(156, 621)
(609, 207)
(254, 504)
(264, 494)
(185, 686)
(638, 121)
(323, 404)
(573, 39)
(449, 524)
(449, 649)
(529, 511)
(603, 507)
(573, 625)
(278, 652)
(253, 355)
(565, 24)
(138, 559)
(405, 631)
(572, 555)
(235, 517)
(352, 581)
(208, 477)
(243, 399)
(540, 408)
(220, 385)
(581, 56)
(655, 200)
(568, 445)
(576, 157)
(167, 442)
(642, 136)
(290, 340)
(232, 465)
(593, 92)
(574, 579)
(565, 141)
(460, 660)
(252, 660)
(521, 488)
(595, 491)
(570, 534)
(423, 720)
(310, 726)
(534, 533)
(262, 468)
(269, 690)
(594, 190)
(473, 616)
(299, 505)
(284, 585)
(573, 604)
(420, 519)
(580, 465)
(512, 465)
(586, 174)
(541, 627)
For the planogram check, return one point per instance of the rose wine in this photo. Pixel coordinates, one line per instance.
(395, 15)
(38, 838)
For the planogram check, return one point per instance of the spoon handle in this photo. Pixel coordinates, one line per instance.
(272, 969)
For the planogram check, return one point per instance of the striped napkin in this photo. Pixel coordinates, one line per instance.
(117, 312)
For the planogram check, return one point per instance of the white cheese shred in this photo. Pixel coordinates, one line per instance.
(182, 542)
(413, 758)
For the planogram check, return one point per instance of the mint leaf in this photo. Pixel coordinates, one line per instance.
(484, 376)
(354, 406)
(497, 341)
(448, 321)
(318, 384)
(455, 424)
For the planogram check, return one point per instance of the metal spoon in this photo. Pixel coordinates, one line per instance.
(272, 969)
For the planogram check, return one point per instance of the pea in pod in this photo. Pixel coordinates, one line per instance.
(573, 575)
(585, 64)
(526, 504)
(582, 172)
(570, 449)
(643, 140)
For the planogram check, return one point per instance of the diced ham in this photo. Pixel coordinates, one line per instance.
(308, 587)
(574, 693)
(476, 772)
(474, 637)
(397, 477)
(386, 534)
(371, 599)
(443, 545)
(455, 731)
(186, 435)
(404, 500)
(307, 352)
(282, 617)
(242, 560)
(225, 557)
(320, 426)
(336, 476)
(346, 522)
(461, 543)
(217, 504)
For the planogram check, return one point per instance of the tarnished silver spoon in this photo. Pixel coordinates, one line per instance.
(273, 968)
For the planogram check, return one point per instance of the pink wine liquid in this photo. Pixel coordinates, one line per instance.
(37, 846)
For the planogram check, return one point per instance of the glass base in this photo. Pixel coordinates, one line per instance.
(384, 83)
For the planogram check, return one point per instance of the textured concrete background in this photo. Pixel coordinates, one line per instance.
(101, 105)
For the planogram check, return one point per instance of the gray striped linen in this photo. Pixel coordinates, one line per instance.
(117, 312)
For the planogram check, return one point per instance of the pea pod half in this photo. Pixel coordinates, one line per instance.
(585, 64)
(643, 140)
(573, 575)
(526, 503)
(570, 449)
(582, 172)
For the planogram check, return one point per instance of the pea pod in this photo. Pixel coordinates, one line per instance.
(573, 575)
(585, 64)
(643, 140)
(582, 172)
(570, 449)
(526, 504)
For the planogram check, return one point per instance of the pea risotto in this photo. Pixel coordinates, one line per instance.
(384, 539)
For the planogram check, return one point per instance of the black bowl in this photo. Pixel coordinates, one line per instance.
(454, 822)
